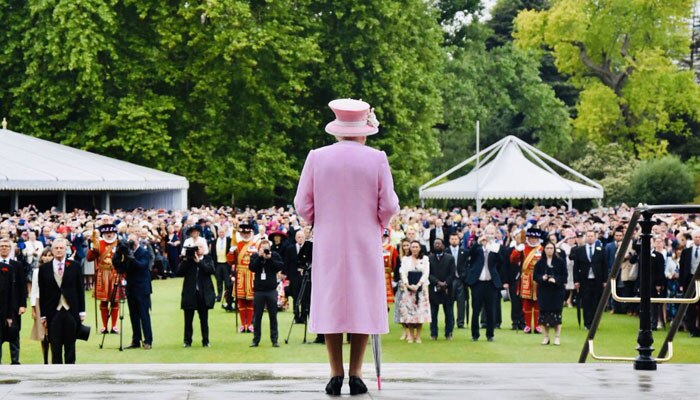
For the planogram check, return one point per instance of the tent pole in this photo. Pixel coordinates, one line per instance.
(478, 200)
(570, 203)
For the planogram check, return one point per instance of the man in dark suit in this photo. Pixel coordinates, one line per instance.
(442, 275)
(219, 249)
(460, 290)
(484, 280)
(589, 275)
(18, 294)
(197, 292)
(690, 258)
(265, 264)
(62, 302)
(138, 292)
(8, 286)
(293, 272)
(610, 252)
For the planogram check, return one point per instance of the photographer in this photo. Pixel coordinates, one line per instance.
(133, 260)
(197, 290)
(265, 264)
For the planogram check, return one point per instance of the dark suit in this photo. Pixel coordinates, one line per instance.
(442, 269)
(7, 300)
(591, 288)
(197, 295)
(685, 279)
(62, 324)
(484, 292)
(18, 295)
(138, 294)
(459, 285)
(658, 279)
(291, 265)
(221, 270)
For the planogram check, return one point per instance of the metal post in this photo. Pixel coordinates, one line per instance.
(478, 166)
(62, 202)
(15, 201)
(644, 360)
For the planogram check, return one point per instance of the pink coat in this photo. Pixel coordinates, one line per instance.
(346, 191)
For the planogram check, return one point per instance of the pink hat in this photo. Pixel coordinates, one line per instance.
(352, 118)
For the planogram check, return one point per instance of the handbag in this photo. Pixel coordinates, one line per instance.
(414, 277)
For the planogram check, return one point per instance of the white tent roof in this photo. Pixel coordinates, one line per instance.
(508, 174)
(28, 163)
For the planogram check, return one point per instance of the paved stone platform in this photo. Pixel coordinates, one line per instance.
(307, 381)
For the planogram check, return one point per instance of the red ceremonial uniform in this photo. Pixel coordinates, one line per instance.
(105, 278)
(390, 256)
(527, 287)
(244, 281)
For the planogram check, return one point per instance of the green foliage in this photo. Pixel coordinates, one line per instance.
(612, 167)
(503, 90)
(621, 54)
(231, 93)
(662, 181)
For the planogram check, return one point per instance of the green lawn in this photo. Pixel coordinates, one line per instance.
(617, 336)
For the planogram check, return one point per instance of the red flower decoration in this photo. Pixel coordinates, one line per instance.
(5, 269)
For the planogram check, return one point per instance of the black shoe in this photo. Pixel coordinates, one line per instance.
(253, 344)
(460, 327)
(320, 339)
(475, 339)
(15, 363)
(490, 339)
(218, 299)
(275, 344)
(206, 344)
(186, 345)
(498, 326)
(133, 345)
(357, 386)
(334, 385)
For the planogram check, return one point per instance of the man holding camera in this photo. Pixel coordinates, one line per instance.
(197, 291)
(266, 264)
(138, 289)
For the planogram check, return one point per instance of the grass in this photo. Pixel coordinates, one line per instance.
(616, 336)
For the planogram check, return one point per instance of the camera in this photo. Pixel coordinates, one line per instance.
(190, 252)
(266, 252)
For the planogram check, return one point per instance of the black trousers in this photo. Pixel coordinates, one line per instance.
(516, 307)
(203, 314)
(261, 300)
(62, 334)
(139, 305)
(461, 296)
(221, 272)
(483, 295)
(691, 316)
(628, 291)
(294, 288)
(14, 345)
(448, 308)
(591, 292)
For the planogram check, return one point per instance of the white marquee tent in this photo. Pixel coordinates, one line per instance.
(32, 168)
(505, 172)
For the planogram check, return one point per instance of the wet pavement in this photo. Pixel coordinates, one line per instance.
(307, 381)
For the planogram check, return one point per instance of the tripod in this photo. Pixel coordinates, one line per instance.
(305, 280)
(118, 287)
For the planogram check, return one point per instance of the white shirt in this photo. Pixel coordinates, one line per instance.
(590, 249)
(189, 242)
(694, 261)
(485, 274)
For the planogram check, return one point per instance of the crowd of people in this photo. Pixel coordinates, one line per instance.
(540, 259)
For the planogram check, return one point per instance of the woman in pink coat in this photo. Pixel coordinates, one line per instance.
(346, 191)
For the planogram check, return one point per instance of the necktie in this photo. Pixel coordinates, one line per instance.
(590, 252)
(696, 251)
(60, 269)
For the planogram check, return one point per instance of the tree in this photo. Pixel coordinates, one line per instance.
(612, 167)
(502, 89)
(388, 54)
(621, 54)
(662, 181)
